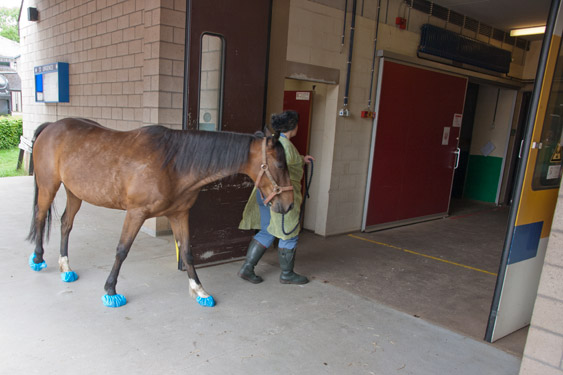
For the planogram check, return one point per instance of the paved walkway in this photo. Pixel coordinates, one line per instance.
(49, 327)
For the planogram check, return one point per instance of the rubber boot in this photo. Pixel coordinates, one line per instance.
(253, 255)
(287, 260)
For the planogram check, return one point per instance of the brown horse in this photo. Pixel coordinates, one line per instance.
(151, 171)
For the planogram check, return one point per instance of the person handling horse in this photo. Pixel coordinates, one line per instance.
(258, 216)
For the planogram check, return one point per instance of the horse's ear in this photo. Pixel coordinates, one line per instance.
(268, 130)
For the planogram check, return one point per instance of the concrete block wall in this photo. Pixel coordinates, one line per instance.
(415, 19)
(125, 58)
(314, 38)
(543, 353)
(309, 24)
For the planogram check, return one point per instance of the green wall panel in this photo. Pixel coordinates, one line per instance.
(481, 182)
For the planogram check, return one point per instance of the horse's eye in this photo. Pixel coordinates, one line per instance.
(279, 165)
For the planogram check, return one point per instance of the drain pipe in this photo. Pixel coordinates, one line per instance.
(374, 53)
(344, 111)
(344, 26)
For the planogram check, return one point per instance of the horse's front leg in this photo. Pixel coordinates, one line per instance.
(133, 222)
(73, 204)
(179, 223)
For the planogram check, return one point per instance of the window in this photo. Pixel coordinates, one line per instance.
(547, 172)
(211, 82)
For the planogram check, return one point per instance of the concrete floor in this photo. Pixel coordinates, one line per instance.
(393, 267)
(343, 322)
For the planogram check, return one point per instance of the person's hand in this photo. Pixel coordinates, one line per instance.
(308, 159)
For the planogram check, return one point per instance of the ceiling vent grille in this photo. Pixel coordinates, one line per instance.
(452, 46)
(467, 23)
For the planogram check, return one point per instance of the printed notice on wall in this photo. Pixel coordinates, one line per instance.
(302, 95)
(488, 148)
(457, 120)
(51, 87)
(446, 136)
(553, 172)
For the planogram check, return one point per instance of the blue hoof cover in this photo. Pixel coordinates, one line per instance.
(69, 277)
(36, 266)
(117, 300)
(208, 302)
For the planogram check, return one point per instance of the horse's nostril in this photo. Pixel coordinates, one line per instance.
(290, 207)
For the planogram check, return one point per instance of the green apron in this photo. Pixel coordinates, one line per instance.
(251, 214)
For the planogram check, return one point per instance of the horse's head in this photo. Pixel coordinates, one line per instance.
(272, 175)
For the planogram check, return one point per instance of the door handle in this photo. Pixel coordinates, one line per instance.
(457, 152)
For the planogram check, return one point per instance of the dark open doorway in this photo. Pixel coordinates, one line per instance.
(465, 139)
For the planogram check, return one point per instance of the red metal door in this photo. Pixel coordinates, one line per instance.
(242, 29)
(417, 130)
(301, 102)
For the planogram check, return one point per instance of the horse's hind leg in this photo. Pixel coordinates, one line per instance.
(45, 194)
(180, 229)
(72, 206)
(131, 226)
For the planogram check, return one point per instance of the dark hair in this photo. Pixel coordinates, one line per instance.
(285, 121)
(205, 153)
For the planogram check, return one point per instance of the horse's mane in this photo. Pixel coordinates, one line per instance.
(204, 152)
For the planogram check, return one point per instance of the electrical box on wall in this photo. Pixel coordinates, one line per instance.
(368, 114)
(51, 83)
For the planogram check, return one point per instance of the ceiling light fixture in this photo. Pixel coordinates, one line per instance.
(528, 31)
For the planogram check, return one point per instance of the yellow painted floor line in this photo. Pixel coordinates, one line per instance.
(422, 255)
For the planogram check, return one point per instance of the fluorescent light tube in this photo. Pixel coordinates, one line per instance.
(528, 31)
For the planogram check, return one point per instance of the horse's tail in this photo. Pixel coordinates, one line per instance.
(40, 129)
(33, 233)
(32, 236)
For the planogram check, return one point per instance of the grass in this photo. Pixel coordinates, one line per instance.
(9, 162)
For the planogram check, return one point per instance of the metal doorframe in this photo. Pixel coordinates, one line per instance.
(373, 136)
(540, 73)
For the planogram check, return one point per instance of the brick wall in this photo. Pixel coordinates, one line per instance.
(544, 347)
(164, 22)
(125, 57)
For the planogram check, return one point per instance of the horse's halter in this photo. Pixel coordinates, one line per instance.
(277, 190)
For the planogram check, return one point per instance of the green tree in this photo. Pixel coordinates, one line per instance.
(9, 23)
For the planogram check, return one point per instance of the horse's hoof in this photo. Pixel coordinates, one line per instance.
(69, 277)
(208, 302)
(117, 300)
(36, 266)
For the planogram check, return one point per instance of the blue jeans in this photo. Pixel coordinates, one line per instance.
(264, 237)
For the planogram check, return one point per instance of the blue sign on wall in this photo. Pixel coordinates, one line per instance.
(51, 83)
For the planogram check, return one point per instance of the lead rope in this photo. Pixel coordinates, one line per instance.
(307, 185)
